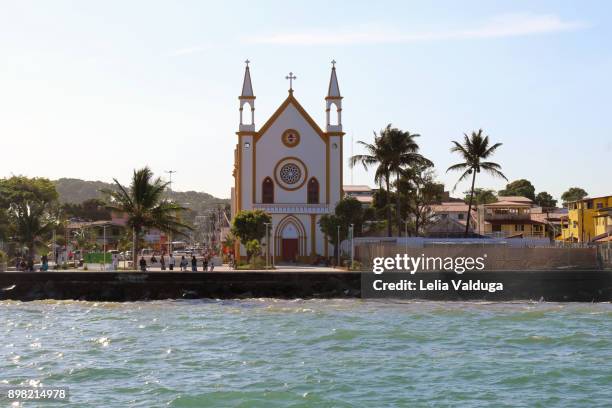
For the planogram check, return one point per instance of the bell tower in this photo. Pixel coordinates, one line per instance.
(333, 100)
(247, 99)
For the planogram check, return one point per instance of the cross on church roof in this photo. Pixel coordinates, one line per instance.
(290, 77)
(333, 62)
(247, 62)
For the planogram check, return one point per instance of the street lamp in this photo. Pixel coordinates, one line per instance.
(338, 248)
(352, 244)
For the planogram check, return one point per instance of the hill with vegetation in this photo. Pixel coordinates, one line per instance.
(76, 191)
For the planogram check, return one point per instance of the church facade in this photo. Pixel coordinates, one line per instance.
(290, 168)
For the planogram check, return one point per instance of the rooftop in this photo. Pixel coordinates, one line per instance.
(356, 187)
(516, 199)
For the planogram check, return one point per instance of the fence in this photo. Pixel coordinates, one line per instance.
(604, 255)
(498, 254)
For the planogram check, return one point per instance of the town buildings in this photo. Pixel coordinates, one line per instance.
(588, 220)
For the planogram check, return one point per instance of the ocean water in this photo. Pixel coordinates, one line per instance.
(303, 353)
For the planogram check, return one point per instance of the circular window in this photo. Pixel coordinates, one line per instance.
(290, 173)
(290, 138)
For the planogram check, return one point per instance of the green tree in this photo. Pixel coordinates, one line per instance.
(545, 200)
(249, 225)
(145, 206)
(474, 149)
(378, 154)
(253, 248)
(573, 194)
(419, 190)
(85, 239)
(330, 225)
(393, 151)
(521, 188)
(481, 196)
(30, 206)
(350, 212)
(93, 209)
(347, 212)
(404, 155)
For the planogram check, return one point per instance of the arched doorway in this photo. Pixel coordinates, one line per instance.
(290, 239)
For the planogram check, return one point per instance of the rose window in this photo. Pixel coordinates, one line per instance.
(290, 173)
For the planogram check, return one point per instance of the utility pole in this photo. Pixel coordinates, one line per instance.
(169, 235)
(104, 247)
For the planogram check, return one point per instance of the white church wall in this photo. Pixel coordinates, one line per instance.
(335, 166)
(246, 171)
(310, 150)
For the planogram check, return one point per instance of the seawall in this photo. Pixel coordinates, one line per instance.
(570, 285)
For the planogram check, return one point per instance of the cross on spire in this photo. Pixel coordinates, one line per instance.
(247, 62)
(290, 77)
(333, 62)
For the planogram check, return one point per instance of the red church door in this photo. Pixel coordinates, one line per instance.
(290, 249)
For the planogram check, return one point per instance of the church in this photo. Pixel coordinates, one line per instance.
(291, 169)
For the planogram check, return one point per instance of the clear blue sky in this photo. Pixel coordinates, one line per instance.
(95, 89)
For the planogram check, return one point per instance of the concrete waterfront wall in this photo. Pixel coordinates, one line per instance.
(131, 286)
(498, 257)
(583, 285)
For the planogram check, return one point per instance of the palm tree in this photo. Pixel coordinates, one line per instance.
(145, 206)
(404, 154)
(33, 223)
(85, 239)
(378, 154)
(474, 149)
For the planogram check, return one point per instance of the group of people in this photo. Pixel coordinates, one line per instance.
(208, 264)
(24, 265)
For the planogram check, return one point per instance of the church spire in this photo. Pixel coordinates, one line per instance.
(334, 90)
(247, 98)
(247, 87)
(333, 98)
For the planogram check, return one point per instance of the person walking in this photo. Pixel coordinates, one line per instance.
(171, 262)
(205, 264)
(45, 263)
(162, 261)
(212, 265)
(183, 263)
(115, 261)
(194, 264)
(143, 264)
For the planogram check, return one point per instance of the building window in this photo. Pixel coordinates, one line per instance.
(460, 216)
(519, 227)
(590, 205)
(599, 205)
(313, 191)
(267, 191)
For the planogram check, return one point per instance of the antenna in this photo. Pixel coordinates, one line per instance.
(352, 144)
(170, 172)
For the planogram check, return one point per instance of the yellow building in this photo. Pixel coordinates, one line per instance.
(589, 219)
(511, 217)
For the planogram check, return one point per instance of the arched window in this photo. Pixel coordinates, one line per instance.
(313, 191)
(267, 191)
